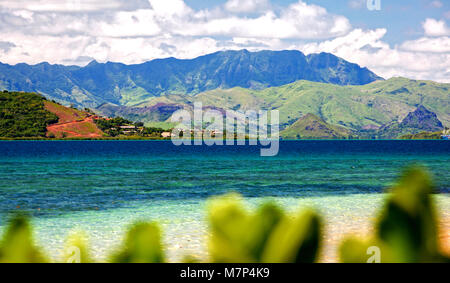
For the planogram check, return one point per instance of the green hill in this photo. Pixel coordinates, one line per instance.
(423, 136)
(30, 115)
(24, 115)
(313, 127)
(362, 109)
(353, 107)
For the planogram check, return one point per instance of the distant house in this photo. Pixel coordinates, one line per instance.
(128, 127)
(166, 134)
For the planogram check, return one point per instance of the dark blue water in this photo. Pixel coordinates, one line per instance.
(55, 178)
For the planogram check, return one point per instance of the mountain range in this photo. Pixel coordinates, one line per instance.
(340, 98)
(120, 84)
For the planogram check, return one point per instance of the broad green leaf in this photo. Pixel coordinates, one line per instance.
(295, 240)
(142, 245)
(408, 221)
(353, 250)
(406, 230)
(17, 245)
(237, 235)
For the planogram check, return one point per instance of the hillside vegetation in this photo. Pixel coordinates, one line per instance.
(30, 115)
(313, 127)
(354, 107)
(24, 115)
(423, 136)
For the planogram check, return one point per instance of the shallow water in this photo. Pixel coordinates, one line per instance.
(101, 187)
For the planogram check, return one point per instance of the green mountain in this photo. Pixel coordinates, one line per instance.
(128, 85)
(313, 127)
(419, 121)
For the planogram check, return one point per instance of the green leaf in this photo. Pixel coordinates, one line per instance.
(408, 221)
(237, 235)
(142, 245)
(267, 235)
(295, 240)
(406, 230)
(17, 245)
(353, 250)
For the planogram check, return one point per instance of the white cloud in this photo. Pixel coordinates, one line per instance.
(428, 45)
(170, 8)
(136, 31)
(297, 21)
(130, 24)
(434, 27)
(409, 60)
(72, 5)
(247, 6)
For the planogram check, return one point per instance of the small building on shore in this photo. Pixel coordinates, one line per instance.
(166, 134)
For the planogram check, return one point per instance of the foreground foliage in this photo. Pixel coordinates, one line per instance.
(406, 231)
(268, 235)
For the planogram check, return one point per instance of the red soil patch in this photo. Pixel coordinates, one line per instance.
(72, 123)
(65, 114)
(77, 129)
(82, 129)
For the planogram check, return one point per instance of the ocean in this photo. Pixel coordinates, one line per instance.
(101, 187)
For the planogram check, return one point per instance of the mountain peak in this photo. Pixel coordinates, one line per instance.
(311, 126)
(92, 63)
(420, 120)
(422, 109)
(423, 119)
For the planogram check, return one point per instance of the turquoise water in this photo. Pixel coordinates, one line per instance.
(100, 187)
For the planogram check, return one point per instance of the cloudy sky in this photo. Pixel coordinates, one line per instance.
(408, 38)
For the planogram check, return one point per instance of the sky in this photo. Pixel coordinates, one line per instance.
(409, 38)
